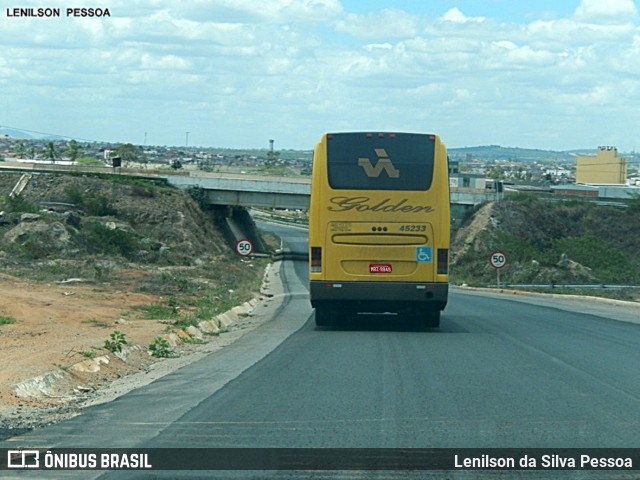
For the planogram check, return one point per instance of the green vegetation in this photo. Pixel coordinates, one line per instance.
(89, 162)
(110, 241)
(20, 205)
(96, 323)
(115, 342)
(6, 320)
(185, 311)
(93, 203)
(199, 194)
(73, 150)
(157, 311)
(160, 348)
(553, 243)
(51, 152)
(130, 153)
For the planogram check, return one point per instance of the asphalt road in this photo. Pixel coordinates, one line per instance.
(501, 371)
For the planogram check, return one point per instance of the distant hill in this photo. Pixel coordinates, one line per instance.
(16, 133)
(29, 135)
(481, 152)
(496, 152)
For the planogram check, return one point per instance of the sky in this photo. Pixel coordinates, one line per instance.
(548, 74)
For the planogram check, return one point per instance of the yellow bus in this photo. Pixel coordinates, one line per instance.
(379, 226)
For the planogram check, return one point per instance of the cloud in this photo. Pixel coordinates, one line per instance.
(241, 11)
(605, 11)
(454, 15)
(237, 72)
(388, 23)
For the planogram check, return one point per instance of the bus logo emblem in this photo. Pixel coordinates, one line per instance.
(384, 163)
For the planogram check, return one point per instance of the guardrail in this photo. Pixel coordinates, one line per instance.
(286, 255)
(569, 286)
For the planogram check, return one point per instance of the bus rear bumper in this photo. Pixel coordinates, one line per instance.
(379, 296)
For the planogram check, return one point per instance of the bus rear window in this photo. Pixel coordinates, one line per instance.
(389, 161)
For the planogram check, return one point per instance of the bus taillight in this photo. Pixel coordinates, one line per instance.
(316, 259)
(443, 261)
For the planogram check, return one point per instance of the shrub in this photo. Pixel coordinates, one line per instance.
(116, 340)
(93, 204)
(160, 348)
(20, 205)
(111, 241)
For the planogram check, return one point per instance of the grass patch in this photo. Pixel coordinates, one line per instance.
(181, 284)
(186, 311)
(59, 269)
(104, 240)
(18, 204)
(92, 203)
(158, 311)
(95, 323)
(203, 291)
(6, 320)
(89, 162)
(608, 263)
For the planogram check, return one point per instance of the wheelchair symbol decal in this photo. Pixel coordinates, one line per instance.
(423, 254)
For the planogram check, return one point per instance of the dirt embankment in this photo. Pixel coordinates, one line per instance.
(84, 257)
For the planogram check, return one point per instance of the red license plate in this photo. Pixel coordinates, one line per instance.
(379, 268)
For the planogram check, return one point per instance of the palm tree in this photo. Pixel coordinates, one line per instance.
(20, 150)
(73, 150)
(51, 152)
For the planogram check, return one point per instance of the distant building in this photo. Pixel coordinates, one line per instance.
(605, 168)
(602, 192)
(468, 180)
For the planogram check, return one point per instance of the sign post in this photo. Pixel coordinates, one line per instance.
(498, 259)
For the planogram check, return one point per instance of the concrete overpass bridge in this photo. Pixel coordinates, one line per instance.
(232, 194)
(236, 190)
(240, 190)
(283, 192)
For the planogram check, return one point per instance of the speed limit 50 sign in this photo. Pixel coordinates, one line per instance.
(244, 247)
(498, 259)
